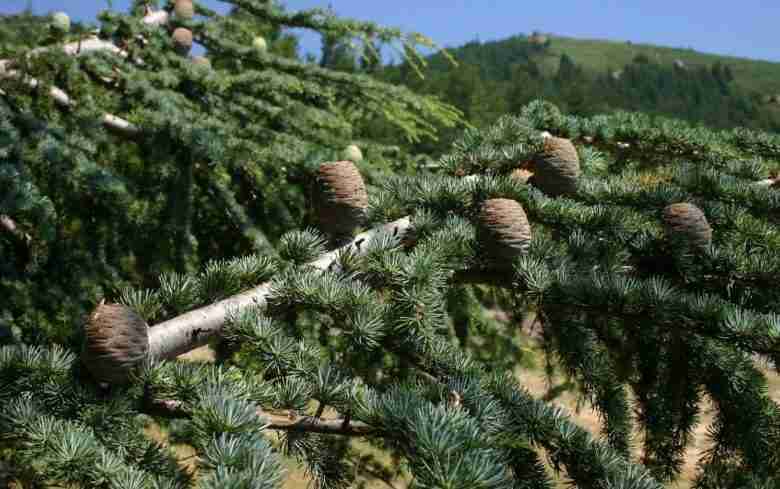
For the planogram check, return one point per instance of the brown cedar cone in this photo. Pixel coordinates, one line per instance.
(182, 40)
(557, 168)
(503, 230)
(688, 222)
(340, 198)
(116, 341)
(184, 9)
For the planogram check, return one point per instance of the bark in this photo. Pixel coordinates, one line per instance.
(195, 328)
(290, 421)
(769, 182)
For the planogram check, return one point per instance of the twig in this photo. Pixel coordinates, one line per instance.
(281, 422)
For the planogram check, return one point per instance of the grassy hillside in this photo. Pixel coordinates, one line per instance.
(589, 77)
(598, 56)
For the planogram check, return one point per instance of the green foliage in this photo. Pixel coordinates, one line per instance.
(206, 200)
(643, 327)
(219, 166)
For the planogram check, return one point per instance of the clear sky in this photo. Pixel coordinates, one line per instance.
(747, 28)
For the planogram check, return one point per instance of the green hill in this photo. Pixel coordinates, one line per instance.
(598, 56)
(589, 77)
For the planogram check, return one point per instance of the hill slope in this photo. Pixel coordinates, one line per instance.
(597, 56)
(588, 77)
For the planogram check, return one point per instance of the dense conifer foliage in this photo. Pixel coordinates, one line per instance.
(125, 136)
(165, 197)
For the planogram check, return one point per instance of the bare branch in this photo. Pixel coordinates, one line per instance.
(290, 421)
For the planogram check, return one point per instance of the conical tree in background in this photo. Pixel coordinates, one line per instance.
(653, 279)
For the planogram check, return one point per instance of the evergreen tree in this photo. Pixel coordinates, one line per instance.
(646, 248)
(107, 140)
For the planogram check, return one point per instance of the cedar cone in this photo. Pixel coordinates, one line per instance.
(503, 230)
(340, 198)
(557, 167)
(688, 222)
(116, 341)
(182, 40)
(260, 44)
(184, 9)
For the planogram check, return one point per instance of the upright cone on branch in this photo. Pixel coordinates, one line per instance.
(557, 167)
(116, 342)
(182, 40)
(687, 222)
(503, 230)
(184, 9)
(340, 198)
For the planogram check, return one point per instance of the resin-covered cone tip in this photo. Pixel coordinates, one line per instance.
(557, 167)
(116, 341)
(503, 230)
(340, 198)
(687, 222)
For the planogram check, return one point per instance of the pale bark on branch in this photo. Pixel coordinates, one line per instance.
(290, 421)
(194, 329)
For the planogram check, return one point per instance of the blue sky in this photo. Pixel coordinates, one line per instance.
(747, 28)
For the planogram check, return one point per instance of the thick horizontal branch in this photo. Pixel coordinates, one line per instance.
(769, 182)
(194, 329)
(290, 421)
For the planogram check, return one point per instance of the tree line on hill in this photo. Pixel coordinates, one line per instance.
(496, 78)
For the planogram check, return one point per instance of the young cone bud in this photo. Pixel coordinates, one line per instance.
(184, 9)
(182, 40)
(61, 21)
(686, 221)
(503, 230)
(116, 342)
(340, 198)
(260, 44)
(353, 153)
(557, 168)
